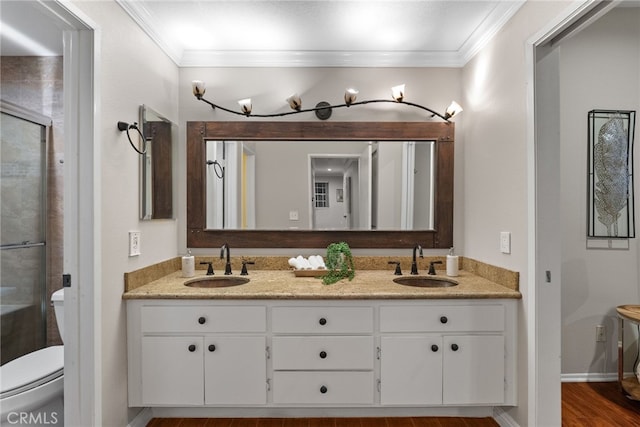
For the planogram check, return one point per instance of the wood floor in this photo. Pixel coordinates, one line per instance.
(598, 405)
(325, 422)
(583, 405)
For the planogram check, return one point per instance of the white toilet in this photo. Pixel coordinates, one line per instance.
(33, 385)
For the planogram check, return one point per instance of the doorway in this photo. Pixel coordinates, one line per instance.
(545, 144)
(332, 179)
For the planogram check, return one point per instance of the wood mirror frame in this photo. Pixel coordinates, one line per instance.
(199, 132)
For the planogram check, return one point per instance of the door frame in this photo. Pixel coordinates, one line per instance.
(542, 305)
(82, 237)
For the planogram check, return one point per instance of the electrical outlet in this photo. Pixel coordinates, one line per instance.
(134, 243)
(293, 216)
(600, 333)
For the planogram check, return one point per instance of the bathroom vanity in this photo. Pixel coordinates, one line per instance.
(281, 343)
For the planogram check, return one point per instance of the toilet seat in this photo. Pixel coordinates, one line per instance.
(31, 370)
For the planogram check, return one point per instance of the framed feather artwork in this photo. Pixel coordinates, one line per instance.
(610, 195)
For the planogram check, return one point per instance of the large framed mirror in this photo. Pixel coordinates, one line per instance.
(267, 184)
(156, 165)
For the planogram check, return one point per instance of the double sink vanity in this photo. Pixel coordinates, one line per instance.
(286, 345)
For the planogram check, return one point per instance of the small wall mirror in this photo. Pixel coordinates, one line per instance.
(156, 165)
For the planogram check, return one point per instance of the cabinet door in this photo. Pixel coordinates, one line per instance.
(172, 371)
(236, 370)
(411, 370)
(473, 369)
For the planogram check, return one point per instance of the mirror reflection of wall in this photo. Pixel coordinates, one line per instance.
(156, 165)
(271, 185)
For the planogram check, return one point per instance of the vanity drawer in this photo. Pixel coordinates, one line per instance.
(323, 388)
(473, 318)
(322, 320)
(172, 319)
(318, 353)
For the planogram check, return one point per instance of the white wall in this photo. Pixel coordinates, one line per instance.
(284, 180)
(599, 69)
(495, 163)
(131, 71)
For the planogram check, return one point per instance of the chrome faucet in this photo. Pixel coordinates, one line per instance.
(414, 264)
(227, 267)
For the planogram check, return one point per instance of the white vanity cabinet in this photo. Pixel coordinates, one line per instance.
(329, 356)
(194, 354)
(323, 355)
(445, 355)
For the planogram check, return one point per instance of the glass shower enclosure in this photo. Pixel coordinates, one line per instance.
(22, 235)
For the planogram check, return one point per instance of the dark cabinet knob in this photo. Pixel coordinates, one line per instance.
(454, 347)
(202, 320)
(323, 389)
(323, 355)
(212, 347)
(322, 321)
(192, 348)
(434, 348)
(444, 319)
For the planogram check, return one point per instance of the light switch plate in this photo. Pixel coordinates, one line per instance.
(505, 242)
(134, 243)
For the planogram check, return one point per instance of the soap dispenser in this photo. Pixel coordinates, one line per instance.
(452, 264)
(188, 265)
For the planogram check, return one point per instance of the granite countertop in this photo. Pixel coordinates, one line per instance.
(282, 284)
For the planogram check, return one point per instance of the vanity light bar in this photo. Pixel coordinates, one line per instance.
(323, 109)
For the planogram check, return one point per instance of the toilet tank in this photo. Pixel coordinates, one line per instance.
(57, 298)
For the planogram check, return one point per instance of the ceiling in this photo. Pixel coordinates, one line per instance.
(26, 29)
(408, 33)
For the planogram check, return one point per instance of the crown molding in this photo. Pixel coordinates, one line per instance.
(502, 13)
(144, 19)
(276, 58)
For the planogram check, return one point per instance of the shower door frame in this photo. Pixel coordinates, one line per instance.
(20, 113)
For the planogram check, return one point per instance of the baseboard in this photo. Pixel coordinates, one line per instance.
(142, 419)
(503, 418)
(500, 415)
(590, 377)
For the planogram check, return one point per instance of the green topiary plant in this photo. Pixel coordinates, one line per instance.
(339, 263)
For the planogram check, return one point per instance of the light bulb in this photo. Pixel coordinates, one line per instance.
(295, 102)
(245, 105)
(198, 87)
(350, 96)
(397, 92)
(452, 110)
